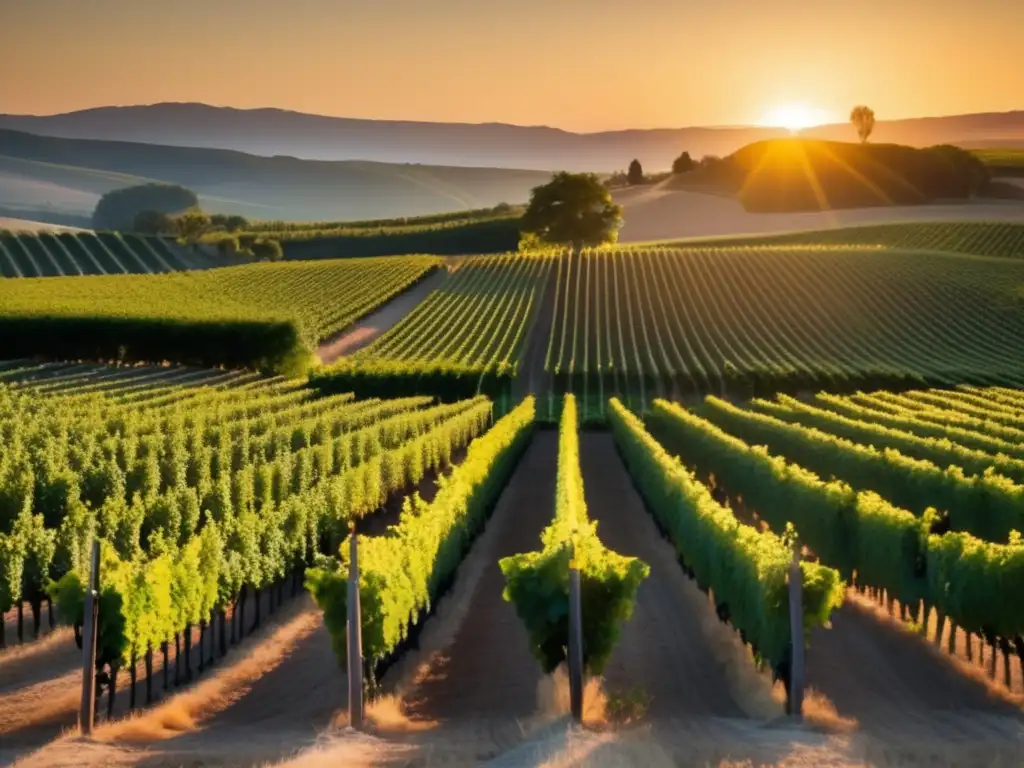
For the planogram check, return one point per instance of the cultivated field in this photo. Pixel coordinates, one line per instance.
(760, 319)
(467, 336)
(261, 316)
(60, 253)
(854, 396)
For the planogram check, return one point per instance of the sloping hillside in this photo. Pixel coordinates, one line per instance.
(275, 131)
(40, 173)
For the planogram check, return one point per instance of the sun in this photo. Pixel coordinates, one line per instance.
(794, 117)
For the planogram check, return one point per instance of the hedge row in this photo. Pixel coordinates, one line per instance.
(988, 506)
(403, 572)
(975, 583)
(746, 568)
(537, 583)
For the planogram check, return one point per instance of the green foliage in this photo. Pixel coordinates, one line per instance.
(277, 474)
(464, 338)
(753, 321)
(573, 209)
(228, 245)
(268, 317)
(155, 223)
(941, 452)
(403, 572)
(987, 505)
(856, 533)
(267, 250)
(118, 208)
(537, 583)
(746, 568)
(983, 238)
(192, 225)
(976, 583)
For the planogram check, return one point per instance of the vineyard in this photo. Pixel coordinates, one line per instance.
(977, 238)
(262, 316)
(929, 521)
(750, 321)
(466, 337)
(198, 493)
(777, 466)
(103, 253)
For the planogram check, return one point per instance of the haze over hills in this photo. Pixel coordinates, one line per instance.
(54, 178)
(269, 132)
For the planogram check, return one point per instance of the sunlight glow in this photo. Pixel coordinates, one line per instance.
(795, 117)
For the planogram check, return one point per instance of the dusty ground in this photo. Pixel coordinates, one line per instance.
(487, 671)
(370, 327)
(656, 213)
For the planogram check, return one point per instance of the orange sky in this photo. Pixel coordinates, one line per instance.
(579, 64)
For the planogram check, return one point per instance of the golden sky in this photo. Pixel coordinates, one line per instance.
(583, 65)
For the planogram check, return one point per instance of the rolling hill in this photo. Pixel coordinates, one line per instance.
(43, 175)
(273, 131)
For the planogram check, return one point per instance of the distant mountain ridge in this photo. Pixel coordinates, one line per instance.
(268, 132)
(46, 177)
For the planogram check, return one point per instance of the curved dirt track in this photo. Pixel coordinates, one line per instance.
(487, 671)
(898, 686)
(663, 647)
(373, 325)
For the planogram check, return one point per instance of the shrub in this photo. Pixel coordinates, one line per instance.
(683, 164)
(267, 250)
(537, 583)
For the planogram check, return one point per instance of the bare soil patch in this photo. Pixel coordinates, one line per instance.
(383, 319)
(670, 647)
(898, 688)
(487, 672)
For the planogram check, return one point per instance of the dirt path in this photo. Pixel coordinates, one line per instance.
(373, 325)
(898, 686)
(532, 379)
(487, 672)
(665, 647)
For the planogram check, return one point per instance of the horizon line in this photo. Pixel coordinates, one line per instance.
(284, 110)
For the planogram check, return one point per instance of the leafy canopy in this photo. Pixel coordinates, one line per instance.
(573, 209)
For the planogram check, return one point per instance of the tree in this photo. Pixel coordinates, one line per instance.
(267, 250)
(155, 223)
(683, 164)
(118, 208)
(573, 209)
(192, 225)
(236, 223)
(635, 175)
(227, 245)
(863, 119)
